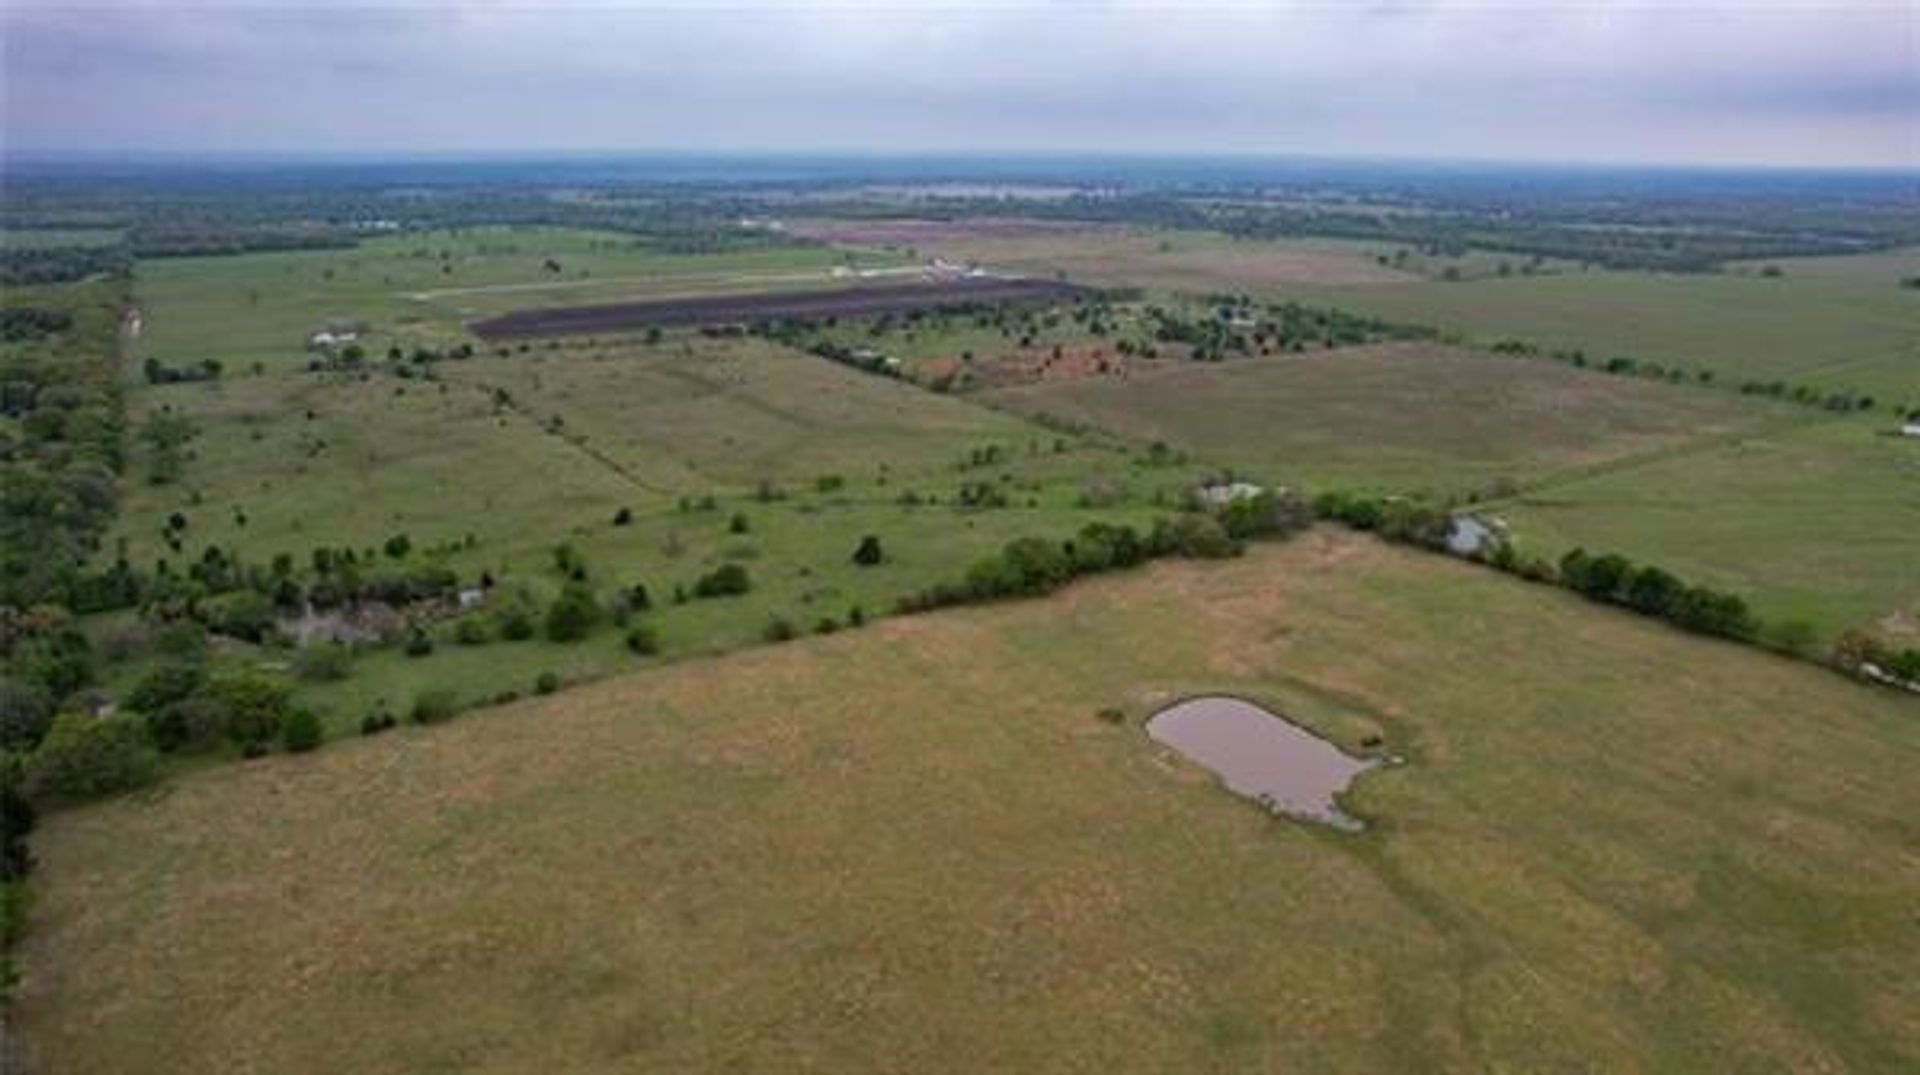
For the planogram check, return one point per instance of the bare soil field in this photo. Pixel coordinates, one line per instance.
(740, 309)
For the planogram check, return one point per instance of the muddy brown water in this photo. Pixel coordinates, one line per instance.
(1262, 756)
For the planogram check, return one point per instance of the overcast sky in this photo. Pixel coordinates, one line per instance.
(1702, 81)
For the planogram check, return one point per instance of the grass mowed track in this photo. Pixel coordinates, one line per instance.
(1393, 418)
(916, 848)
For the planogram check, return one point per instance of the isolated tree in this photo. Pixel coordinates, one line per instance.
(573, 614)
(303, 731)
(869, 553)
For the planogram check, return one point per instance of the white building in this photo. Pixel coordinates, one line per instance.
(330, 338)
(1221, 494)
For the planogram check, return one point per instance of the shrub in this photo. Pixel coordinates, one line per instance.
(778, 629)
(516, 624)
(302, 732)
(727, 580)
(245, 615)
(826, 625)
(185, 640)
(573, 614)
(323, 663)
(26, 710)
(17, 819)
(1267, 513)
(253, 707)
(546, 683)
(738, 524)
(194, 722)
(419, 644)
(643, 640)
(1194, 535)
(83, 757)
(433, 705)
(623, 517)
(869, 553)
(1711, 612)
(375, 723)
(856, 616)
(470, 631)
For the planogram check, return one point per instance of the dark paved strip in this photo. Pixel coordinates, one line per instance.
(772, 306)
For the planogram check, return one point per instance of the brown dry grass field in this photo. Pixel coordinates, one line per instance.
(917, 848)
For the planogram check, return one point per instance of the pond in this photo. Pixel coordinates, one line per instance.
(1277, 763)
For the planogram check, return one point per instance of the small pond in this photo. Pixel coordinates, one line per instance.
(1262, 756)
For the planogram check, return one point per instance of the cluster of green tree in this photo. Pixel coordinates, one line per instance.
(209, 213)
(1017, 322)
(32, 323)
(1651, 591)
(166, 434)
(1610, 579)
(1666, 249)
(1624, 366)
(183, 240)
(63, 446)
(22, 266)
(1872, 658)
(1640, 224)
(158, 372)
(1031, 566)
(1808, 396)
(1236, 324)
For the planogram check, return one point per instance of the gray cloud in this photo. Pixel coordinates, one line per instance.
(1711, 81)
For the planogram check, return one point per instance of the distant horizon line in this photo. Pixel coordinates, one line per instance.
(10, 157)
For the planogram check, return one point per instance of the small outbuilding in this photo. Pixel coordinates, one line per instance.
(1220, 494)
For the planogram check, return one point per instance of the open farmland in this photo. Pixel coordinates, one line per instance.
(416, 290)
(1840, 323)
(1628, 849)
(1158, 259)
(1833, 332)
(1817, 522)
(1394, 418)
(871, 301)
(490, 463)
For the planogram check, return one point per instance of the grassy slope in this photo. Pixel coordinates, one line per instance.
(1817, 522)
(1834, 331)
(1394, 418)
(641, 428)
(916, 848)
